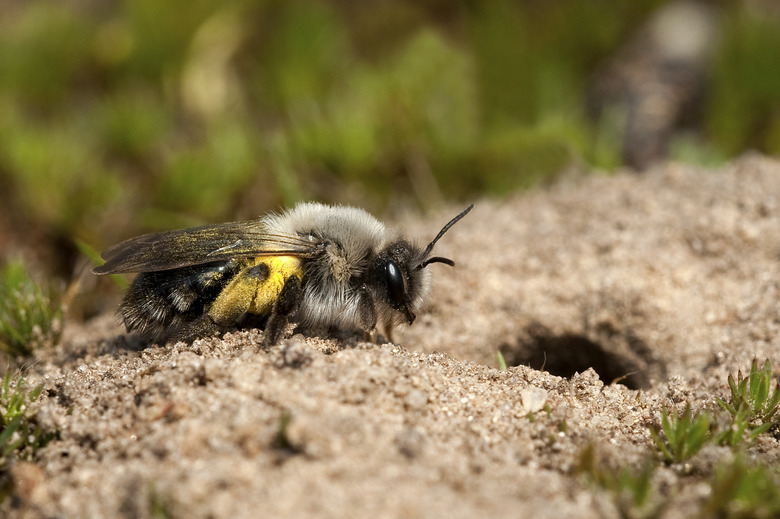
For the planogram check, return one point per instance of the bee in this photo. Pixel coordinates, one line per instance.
(320, 267)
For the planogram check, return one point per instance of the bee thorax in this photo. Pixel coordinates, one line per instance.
(341, 268)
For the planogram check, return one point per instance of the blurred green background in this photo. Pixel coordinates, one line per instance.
(129, 116)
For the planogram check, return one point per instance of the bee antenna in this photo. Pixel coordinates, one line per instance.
(436, 259)
(444, 229)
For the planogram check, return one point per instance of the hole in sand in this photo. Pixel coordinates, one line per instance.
(626, 362)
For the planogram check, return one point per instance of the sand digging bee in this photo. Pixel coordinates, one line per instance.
(321, 267)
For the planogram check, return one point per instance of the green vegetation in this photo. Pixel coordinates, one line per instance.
(20, 436)
(29, 317)
(684, 434)
(18, 433)
(142, 115)
(739, 488)
(282, 440)
(634, 493)
(752, 411)
(753, 405)
(159, 506)
(501, 360)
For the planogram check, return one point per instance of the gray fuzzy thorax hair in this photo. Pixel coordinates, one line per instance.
(353, 240)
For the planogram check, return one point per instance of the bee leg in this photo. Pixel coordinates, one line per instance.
(231, 307)
(367, 314)
(372, 336)
(202, 326)
(286, 304)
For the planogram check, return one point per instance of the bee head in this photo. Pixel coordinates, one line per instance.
(403, 268)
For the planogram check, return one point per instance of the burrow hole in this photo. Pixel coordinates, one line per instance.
(625, 361)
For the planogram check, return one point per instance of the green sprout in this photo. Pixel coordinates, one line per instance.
(159, 506)
(735, 432)
(684, 434)
(28, 316)
(742, 490)
(632, 489)
(282, 440)
(18, 432)
(753, 406)
(501, 360)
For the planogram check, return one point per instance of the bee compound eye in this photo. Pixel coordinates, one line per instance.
(395, 284)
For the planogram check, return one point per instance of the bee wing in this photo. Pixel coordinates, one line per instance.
(198, 245)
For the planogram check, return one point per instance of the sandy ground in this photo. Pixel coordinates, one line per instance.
(610, 297)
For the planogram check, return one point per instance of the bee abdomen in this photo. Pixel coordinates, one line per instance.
(165, 304)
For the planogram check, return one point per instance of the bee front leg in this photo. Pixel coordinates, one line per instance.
(367, 314)
(286, 304)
